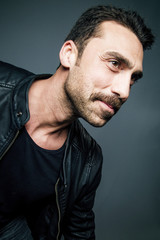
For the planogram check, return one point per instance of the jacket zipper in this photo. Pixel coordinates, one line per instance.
(57, 203)
(10, 145)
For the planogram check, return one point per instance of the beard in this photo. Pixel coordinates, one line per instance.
(85, 104)
(81, 107)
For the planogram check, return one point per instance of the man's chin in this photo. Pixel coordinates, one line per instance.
(100, 122)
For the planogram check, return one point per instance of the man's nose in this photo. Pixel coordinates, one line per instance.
(121, 86)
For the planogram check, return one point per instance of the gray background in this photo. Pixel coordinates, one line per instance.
(127, 204)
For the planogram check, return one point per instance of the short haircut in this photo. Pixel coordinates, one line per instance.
(87, 26)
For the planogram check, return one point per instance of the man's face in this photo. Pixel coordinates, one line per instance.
(99, 83)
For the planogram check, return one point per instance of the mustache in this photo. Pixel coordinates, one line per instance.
(113, 100)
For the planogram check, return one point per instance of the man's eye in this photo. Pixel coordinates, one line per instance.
(134, 79)
(115, 63)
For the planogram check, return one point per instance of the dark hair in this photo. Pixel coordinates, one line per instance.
(87, 26)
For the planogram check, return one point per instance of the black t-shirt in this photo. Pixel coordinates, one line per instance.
(28, 175)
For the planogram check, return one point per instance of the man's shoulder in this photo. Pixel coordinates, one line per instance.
(11, 75)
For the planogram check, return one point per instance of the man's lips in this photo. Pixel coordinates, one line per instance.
(112, 103)
(109, 106)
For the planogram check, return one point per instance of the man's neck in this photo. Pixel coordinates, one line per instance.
(50, 113)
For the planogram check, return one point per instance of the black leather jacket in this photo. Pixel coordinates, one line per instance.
(75, 189)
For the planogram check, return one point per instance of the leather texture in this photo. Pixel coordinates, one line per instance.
(80, 176)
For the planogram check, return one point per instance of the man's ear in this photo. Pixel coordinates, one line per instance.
(68, 54)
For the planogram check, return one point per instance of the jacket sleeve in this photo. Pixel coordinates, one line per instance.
(79, 222)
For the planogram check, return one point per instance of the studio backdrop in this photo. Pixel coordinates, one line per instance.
(127, 205)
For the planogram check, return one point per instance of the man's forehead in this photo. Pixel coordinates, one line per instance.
(118, 36)
(115, 28)
(109, 24)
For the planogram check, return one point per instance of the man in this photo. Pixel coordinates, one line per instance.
(50, 167)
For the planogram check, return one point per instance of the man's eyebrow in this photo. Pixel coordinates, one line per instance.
(119, 57)
(137, 75)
